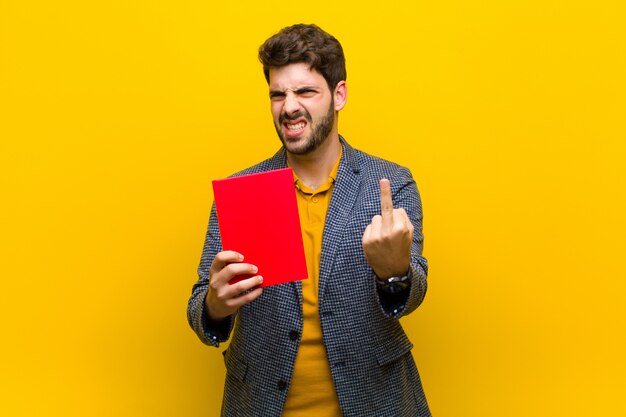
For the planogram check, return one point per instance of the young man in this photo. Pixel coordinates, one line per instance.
(330, 345)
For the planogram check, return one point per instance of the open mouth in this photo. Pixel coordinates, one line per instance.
(294, 128)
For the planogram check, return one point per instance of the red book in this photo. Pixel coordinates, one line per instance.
(258, 217)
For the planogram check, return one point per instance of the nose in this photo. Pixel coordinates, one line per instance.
(291, 104)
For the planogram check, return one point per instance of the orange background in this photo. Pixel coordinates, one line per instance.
(115, 116)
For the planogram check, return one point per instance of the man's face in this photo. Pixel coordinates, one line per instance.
(302, 107)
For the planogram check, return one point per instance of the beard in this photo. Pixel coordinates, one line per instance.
(319, 131)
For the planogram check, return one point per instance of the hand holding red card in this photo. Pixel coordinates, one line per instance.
(258, 218)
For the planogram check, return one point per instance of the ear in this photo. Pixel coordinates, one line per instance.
(340, 95)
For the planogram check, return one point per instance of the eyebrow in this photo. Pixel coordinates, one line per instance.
(304, 89)
(276, 93)
(299, 90)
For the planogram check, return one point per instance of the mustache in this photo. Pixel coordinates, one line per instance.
(284, 117)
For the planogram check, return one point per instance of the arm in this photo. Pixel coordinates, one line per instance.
(214, 301)
(393, 244)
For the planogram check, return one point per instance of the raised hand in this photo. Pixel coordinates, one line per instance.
(387, 239)
(223, 299)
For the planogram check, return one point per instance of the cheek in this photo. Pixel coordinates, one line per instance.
(276, 109)
(320, 108)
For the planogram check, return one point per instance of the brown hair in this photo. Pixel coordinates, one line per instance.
(308, 44)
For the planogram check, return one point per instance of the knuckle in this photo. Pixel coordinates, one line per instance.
(240, 287)
(230, 269)
(230, 303)
(246, 298)
(253, 295)
(221, 294)
(402, 228)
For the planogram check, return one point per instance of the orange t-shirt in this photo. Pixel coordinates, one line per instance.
(312, 391)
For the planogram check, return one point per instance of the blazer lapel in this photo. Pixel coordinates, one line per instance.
(345, 192)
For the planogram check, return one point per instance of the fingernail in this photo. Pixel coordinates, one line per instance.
(260, 279)
(254, 269)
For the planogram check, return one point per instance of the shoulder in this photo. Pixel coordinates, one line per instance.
(373, 168)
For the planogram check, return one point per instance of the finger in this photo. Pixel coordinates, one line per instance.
(400, 219)
(244, 285)
(234, 269)
(367, 233)
(386, 204)
(377, 225)
(245, 298)
(231, 270)
(405, 218)
(224, 258)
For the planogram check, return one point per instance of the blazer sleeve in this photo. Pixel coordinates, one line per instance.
(405, 195)
(210, 333)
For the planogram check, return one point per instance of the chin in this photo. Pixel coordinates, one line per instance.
(297, 145)
(299, 149)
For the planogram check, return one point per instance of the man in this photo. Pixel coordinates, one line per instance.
(329, 345)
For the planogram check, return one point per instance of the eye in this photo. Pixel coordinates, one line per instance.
(277, 95)
(306, 92)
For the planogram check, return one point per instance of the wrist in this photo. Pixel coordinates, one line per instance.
(393, 284)
(211, 315)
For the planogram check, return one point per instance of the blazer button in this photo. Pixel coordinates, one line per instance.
(293, 335)
(282, 385)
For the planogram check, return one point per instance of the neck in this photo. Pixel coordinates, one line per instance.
(314, 168)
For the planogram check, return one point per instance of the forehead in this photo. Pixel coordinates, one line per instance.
(294, 75)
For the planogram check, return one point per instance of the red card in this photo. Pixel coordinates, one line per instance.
(258, 217)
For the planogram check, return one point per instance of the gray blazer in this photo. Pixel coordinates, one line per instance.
(368, 351)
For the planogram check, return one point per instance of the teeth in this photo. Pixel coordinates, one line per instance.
(297, 126)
